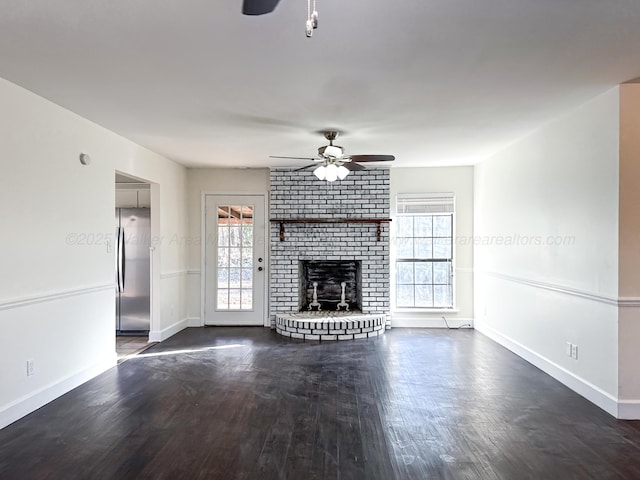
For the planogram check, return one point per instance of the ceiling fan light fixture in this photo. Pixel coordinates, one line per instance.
(343, 172)
(332, 173)
(320, 172)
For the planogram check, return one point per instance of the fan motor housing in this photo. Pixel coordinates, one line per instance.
(322, 150)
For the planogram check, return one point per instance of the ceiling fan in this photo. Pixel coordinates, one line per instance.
(333, 163)
(258, 7)
(261, 7)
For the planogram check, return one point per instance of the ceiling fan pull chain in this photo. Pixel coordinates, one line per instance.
(314, 15)
(309, 23)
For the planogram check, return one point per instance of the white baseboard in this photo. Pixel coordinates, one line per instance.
(194, 322)
(629, 410)
(33, 401)
(162, 335)
(589, 391)
(416, 321)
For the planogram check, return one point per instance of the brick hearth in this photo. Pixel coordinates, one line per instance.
(322, 326)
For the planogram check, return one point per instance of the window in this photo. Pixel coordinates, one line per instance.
(235, 257)
(424, 250)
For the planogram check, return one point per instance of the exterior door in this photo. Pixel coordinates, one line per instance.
(235, 263)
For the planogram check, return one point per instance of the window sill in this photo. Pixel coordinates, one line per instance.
(425, 310)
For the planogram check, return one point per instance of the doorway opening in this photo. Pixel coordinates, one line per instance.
(132, 251)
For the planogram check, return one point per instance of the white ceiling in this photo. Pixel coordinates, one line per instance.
(434, 82)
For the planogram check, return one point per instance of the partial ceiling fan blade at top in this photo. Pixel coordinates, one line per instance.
(311, 159)
(258, 7)
(372, 158)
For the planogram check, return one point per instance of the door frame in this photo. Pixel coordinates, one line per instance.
(266, 321)
(155, 293)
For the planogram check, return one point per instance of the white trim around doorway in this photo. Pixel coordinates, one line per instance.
(265, 195)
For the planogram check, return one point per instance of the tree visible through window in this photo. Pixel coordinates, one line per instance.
(424, 251)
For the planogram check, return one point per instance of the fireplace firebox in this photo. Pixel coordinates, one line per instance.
(330, 285)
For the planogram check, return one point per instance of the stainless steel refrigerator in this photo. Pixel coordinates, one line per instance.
(133, 275)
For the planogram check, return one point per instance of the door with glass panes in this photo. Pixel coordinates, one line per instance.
(235, 263)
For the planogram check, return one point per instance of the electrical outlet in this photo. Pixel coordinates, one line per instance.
(30, 368)
(574, 352)
(568, 349)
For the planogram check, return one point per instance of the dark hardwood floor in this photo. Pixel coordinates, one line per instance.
(246, 403)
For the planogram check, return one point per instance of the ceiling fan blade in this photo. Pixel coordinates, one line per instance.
(298, 158)
(304, 168)
(372, 158)
(258, 7)
(353, 166)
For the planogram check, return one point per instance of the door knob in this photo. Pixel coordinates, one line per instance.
(260, 260)
(259, 269)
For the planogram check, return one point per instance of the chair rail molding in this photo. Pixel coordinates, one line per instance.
(48, 297)
(596, 297)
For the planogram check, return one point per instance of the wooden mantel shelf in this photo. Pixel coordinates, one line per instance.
(377, 221)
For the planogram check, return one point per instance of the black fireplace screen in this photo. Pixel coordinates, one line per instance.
(330, 285)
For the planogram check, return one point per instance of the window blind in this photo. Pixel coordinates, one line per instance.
(420, 204)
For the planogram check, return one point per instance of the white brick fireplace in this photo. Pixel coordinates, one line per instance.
(346, 220)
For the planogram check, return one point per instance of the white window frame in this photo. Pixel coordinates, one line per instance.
(429, 202)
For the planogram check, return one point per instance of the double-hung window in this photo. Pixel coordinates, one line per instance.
(424, 250)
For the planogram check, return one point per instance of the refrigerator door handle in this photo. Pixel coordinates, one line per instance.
(121, 259)
(118, 259)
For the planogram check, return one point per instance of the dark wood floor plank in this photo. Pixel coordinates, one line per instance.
(351, 464)
(324, 457)
(246, 403)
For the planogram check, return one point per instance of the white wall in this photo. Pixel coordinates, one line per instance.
(57, 284)
(547, 211)
(222, 181)
(458, 180)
